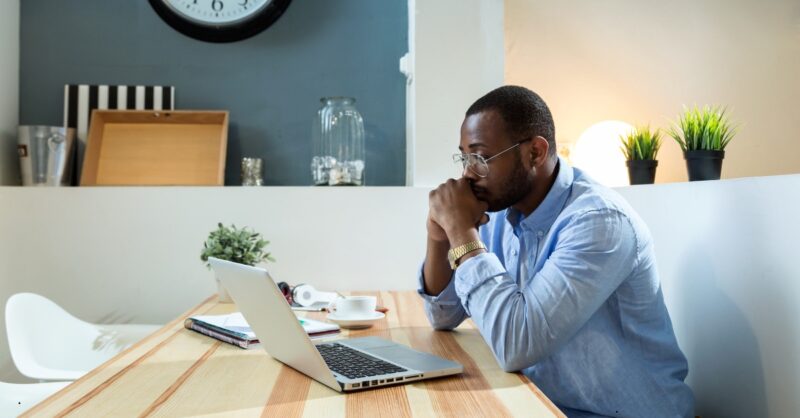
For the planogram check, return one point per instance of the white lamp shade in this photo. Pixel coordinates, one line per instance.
(597, 152)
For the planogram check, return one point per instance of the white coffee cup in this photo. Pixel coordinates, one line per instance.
(354, 306)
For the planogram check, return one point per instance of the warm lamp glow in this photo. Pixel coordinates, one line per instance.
(597, 152)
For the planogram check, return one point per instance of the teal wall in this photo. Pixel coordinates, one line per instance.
(271, 83)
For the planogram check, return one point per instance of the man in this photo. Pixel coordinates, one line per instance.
(562, 280)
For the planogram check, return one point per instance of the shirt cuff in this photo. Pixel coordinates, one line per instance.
(474, 272)
(447, 297)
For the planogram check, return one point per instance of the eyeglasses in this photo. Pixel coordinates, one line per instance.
(477, 163)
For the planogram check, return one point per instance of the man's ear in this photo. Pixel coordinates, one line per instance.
(539, 150)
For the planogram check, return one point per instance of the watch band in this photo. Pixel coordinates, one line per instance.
(455, 254)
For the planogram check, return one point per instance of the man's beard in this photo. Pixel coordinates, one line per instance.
(519, 184)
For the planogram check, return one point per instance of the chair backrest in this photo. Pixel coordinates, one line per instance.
(44, 339)
(18, 398)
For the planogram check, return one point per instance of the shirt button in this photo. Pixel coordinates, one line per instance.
(513, 252)
(540, 233)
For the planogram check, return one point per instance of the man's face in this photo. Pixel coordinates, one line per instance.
(508, 180)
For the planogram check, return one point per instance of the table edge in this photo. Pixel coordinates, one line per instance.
(169, 325)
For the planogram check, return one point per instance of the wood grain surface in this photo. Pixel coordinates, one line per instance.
(156, 148)
(179, 373)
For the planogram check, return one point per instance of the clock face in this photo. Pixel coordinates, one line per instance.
(217, 12)
(220, 20)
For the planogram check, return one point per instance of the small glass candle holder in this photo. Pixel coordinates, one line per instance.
(251, 172)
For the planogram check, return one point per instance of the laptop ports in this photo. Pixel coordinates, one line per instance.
(356, 385)
(390, 380)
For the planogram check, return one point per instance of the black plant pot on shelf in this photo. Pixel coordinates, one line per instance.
(704, 164)
(642, 171)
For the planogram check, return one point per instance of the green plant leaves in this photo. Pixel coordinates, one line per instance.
(641, 143)
(243, 246)
(703, 129)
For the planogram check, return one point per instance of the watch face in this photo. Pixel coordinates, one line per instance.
(220, 20)
(217, 12)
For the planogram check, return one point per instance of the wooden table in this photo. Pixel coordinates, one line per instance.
(176, 373)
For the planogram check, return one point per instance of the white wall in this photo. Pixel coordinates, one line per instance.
(456, 56)
(727, 255)
(726, 250)
(9, 92)
(640, 61)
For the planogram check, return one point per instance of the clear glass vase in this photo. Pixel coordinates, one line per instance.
(338, 144)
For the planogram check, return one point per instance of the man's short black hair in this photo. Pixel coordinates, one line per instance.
(524, 112)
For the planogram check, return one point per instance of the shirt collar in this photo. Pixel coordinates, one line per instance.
(547, 211)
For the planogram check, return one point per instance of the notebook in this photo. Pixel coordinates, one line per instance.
(234, 329)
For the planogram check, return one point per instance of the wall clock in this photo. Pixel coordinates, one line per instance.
(220, 20)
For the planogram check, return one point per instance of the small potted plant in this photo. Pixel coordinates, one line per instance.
(242, 246)
(703, 135)
(640, 147)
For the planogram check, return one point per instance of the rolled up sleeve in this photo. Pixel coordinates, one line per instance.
(444, 311)
(474, 272)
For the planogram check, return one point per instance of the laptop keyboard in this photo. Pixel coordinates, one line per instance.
(354, 364)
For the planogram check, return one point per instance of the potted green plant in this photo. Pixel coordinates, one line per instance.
(640, 147)
(703, 135)
(242, 246)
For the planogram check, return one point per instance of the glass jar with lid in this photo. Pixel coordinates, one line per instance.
(338, 143)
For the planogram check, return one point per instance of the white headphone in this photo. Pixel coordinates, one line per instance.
(307, 295)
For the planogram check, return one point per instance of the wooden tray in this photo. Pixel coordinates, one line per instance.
(156, 148)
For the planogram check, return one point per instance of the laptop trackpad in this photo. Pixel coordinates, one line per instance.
(368, 343)
(411, 359)
(400, 354)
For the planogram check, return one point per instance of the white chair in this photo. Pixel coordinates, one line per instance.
(18, 398)
(47, 343)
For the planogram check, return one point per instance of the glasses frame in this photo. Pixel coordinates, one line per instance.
(469, 160)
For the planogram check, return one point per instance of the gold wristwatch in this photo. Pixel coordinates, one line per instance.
(455, 254)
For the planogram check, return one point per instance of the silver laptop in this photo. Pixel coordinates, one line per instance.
(343, 365)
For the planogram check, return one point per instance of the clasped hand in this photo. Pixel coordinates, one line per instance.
(453, 211)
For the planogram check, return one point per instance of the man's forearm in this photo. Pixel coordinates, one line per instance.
(436, 271)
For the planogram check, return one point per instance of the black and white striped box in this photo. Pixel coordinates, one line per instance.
(81, 99)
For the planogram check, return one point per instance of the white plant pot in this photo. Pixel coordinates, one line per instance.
(223, 294)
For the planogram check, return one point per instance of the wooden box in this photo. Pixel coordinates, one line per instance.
(156, 148)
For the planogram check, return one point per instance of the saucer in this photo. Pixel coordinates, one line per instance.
(355, 322)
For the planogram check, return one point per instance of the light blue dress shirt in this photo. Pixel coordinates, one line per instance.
(570, 295)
